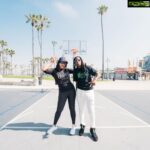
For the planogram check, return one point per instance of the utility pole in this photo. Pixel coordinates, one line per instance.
(107, 61)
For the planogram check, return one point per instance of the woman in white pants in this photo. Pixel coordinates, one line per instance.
(85, 78)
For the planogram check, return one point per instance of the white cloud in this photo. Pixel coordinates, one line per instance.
(67, 10)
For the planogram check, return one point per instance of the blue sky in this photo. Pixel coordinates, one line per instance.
(127, 30)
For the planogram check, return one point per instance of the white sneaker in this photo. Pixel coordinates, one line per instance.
(52, 129)
(73, 131)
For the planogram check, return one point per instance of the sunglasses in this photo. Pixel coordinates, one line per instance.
(78, 59)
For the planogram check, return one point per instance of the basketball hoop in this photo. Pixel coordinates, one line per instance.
(74, 51)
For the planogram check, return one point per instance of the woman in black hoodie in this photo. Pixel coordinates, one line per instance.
(66, 90)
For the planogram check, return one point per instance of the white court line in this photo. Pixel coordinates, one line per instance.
(24, 114)
(122, 127)
(100, 127)
(19, 115)
(25, 127)
(135, 117)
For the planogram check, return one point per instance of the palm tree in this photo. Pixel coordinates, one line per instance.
(1, 53)
(2, 45)
(5, 60)
(15, 69)
(33, 20)
(42, 23)
(7, 67)
(101, 10)
(36, 61)
(11, 53)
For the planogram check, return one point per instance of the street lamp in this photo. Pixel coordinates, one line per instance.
(54, 44)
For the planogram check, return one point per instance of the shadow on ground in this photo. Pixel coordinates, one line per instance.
(41, 127)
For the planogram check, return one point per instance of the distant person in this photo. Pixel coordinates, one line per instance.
(61, 75)
(85, 78)
(114, 77)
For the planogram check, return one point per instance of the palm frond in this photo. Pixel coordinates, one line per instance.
(102, 9)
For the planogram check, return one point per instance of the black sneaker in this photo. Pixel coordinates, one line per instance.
(81, 131)
(93, 134)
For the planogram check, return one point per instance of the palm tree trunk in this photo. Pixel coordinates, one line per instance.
(41, 56)
(0, 63)
(6, 68)
(41, 53)
(33, 66)
(102, 47)
(40, 45)
(3, 63)
(11, 66)
(39, 66)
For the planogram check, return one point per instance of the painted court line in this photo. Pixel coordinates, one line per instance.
(146, 125)
(100, 127)
(122, 127)
(135, 117)
(25, 114)
(19, 115)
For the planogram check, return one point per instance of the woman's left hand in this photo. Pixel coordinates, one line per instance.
(93, 82)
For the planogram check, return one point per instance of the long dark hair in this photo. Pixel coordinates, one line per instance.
(82, 68)
(83, 65)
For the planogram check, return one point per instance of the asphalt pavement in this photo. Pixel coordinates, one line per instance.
(137, 102)
(122, 118)
(14, 101)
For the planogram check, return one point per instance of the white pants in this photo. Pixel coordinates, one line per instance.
(86, 98)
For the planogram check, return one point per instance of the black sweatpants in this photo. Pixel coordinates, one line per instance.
(62, 98)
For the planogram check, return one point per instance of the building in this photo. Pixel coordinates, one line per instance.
(145, 67)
